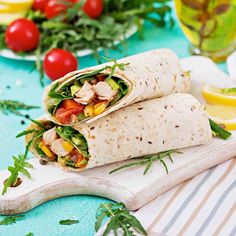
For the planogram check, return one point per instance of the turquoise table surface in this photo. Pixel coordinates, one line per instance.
(22, 78)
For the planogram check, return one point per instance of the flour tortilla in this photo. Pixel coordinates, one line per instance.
(173, 122)
(152, 74)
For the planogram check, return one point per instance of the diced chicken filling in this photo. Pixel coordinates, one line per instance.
(58, 148)
(85, 95)
(50, 136)
(104, 91)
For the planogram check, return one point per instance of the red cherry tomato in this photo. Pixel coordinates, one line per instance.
(64, 115)
(93, 8)
(22, 35)
(59, 62)
(39, 5)
(54, 8)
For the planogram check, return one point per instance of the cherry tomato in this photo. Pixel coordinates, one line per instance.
(39, 5)
(70, 103)
(22, 35)
(54, 8)
(93, 8)
(64, 115)
(59, 62)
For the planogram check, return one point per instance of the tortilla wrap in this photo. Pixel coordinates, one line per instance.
(172, 122)
(149, 75)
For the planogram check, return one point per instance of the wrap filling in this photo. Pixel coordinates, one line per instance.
(62, 144)
(86, 96)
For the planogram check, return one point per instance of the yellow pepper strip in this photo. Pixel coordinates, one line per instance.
(88, 110)
(67, 146)
(99, 107)
(46, 150)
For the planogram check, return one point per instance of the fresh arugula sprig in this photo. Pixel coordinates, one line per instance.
(30, 234)
(219, 131)
(148, 161)
(119, 219)
(13, 106)
(9, 220)
(19, 166)
(20, 162)
(68, 222)
(37, 134)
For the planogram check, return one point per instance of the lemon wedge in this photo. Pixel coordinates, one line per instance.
(7, 18)
(15, 6)
(221, 96)
(225, 115)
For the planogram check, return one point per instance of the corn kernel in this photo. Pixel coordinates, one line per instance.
(67, 146)
(88, 110)
(99, 108)
(46, 150)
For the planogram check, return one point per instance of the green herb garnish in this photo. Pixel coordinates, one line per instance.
(30, 234)
(219, 131)
(68, 222)
(119, 219)
(148, 161)
(12, 106)
(9, 220)
(19, 166)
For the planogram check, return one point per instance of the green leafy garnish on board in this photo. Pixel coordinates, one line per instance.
(218, 131)
(13, 106)
(20, 165)
(9, 220)
(148, 161)
(119, 219)
(68, 222)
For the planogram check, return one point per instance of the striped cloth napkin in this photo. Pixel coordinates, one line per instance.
(204, 205)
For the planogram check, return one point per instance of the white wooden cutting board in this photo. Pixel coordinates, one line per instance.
(128, 186)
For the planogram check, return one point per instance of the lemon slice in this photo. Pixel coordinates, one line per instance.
(225, 115)
(7, 18)
(219, 96)
(15, 6)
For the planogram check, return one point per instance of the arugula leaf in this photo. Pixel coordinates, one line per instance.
(9, 220)
(19, 166)
(13, 106)
(119, 218)
(148, 161)
(30, 234)
(219, 131)
(68, 222)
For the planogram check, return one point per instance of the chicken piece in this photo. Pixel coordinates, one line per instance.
(85, 95)
(58, 147)
(104, 91)
(50, 136)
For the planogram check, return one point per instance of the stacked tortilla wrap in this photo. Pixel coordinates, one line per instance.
(172, 122)
(148, 75)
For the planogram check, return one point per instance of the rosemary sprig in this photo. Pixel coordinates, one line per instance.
(217, 130)
(148, 161)
(119, 219)
(9, 220)
(68, 222)
(13, 106)
(19, 166)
